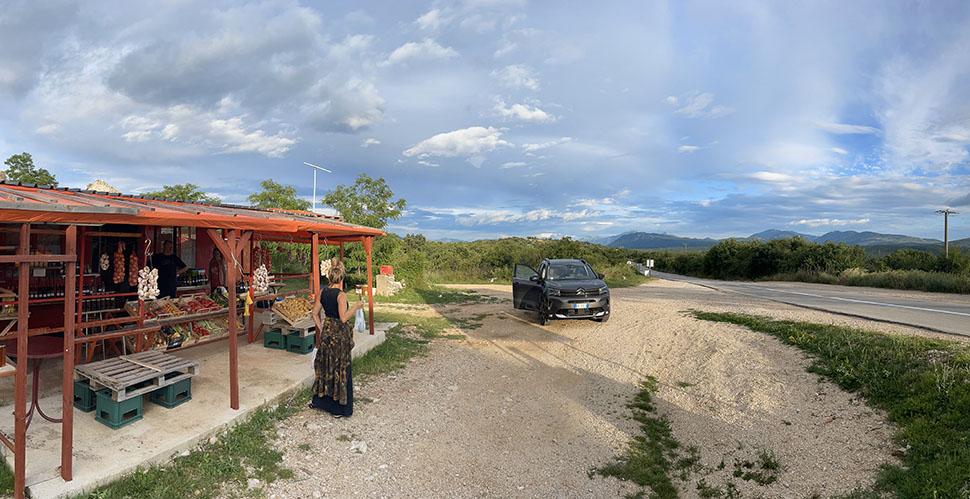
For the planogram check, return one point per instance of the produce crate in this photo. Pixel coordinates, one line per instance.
(84, 398)
(113, 414)
(274, 339)
(300, 344)
(277, 307)
(173, 395)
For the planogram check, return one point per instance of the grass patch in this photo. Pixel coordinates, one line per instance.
(683, 384)
(627, 281)
(245, 451)
(304, 447)
(923, 385)
(6, 479)
(651, 458)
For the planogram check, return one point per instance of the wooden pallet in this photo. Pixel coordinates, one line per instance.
(132, 375)
(304, 326)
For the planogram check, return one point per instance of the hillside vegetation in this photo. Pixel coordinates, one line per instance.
(795, 259)
(421, 263)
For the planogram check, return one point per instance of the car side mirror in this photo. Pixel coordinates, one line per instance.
(534, 278)
(601, 276)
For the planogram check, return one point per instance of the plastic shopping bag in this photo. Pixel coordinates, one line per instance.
(359, 321)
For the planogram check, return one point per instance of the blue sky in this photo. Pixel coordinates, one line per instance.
(497, 118)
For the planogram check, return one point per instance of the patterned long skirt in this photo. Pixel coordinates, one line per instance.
(333, 388)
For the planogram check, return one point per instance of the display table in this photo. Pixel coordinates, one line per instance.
(38, 349)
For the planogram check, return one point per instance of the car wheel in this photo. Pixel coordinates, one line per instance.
(543, 318)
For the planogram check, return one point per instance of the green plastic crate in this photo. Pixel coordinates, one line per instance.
(113, 414)
(274, 339)
(84, 399)
(300, 344)
(174, 394)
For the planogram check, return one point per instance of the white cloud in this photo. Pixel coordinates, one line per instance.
(517, 76)
(843, 129)
(818, 222)
(428, 163)
(206, 130)
(431, 20)
(839, 150)
(529, 148)
(491, 217)
(955, 137)
(522, 112)
(689, 148)
(47, 129)
(369, 142)
(465, 142)
(671, 100)
(424, 51)
(512, 164)
(697, 106)
(623, 193)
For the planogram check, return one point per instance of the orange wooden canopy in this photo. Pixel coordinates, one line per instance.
(43, 204)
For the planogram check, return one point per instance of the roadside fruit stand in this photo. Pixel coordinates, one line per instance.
(76, 282)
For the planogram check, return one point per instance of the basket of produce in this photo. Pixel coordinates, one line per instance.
(293, 309)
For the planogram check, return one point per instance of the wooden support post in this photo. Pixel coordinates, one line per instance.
(252, 313)
(315, 266)
(82, 251)
(368, 245)
(315, 276)
(67, 386)
(20, 381)
(229, 250)
(233, 341)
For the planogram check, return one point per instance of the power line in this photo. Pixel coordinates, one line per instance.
(946, 229)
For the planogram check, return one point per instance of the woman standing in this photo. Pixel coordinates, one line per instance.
(333, 389)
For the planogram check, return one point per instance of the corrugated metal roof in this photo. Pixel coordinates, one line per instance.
(46, 204)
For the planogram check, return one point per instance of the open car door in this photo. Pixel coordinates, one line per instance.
(525, 287)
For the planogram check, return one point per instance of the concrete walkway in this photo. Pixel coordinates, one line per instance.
(102, 455)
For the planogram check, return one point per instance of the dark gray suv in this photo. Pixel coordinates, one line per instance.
(561, 289)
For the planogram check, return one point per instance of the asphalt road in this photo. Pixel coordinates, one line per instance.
(948, 314)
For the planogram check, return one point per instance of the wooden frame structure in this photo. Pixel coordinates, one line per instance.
(231, 228)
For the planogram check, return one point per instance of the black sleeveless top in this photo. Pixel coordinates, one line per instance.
(328, 299)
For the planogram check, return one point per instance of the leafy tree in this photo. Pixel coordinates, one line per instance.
(184, 192)
(20, 168)
(367, 202)
(279, 196)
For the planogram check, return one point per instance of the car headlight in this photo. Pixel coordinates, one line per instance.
(603, 290)
(554, 292)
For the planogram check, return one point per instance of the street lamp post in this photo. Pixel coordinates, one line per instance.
(313, 207)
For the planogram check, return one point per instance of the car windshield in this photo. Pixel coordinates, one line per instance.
(565, 271)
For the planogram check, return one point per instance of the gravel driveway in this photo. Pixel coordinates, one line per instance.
(518, 410)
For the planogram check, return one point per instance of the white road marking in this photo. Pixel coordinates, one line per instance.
(865, 302)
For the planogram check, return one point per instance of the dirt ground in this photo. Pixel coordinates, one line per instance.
(519, 410)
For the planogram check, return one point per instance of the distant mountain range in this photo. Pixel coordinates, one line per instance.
(873, 241)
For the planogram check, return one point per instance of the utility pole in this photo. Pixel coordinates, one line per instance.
(946, 230)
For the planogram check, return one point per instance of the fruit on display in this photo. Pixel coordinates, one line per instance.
(294, 307)
(119, 258)
(147, 284)
(261, 279)
(198, 330)
(105, 262)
